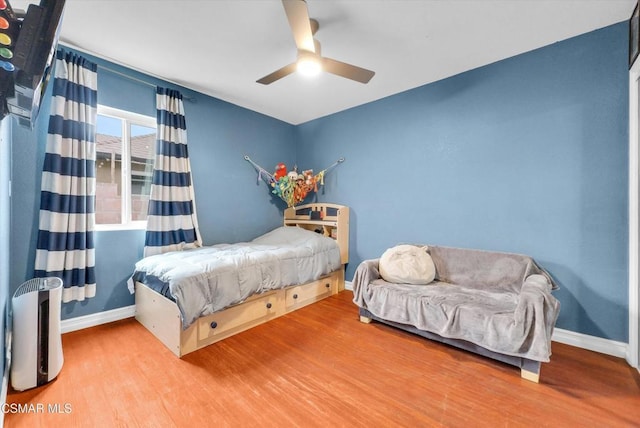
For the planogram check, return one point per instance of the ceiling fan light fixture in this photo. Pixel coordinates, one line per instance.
(308, 64)
(310, 61)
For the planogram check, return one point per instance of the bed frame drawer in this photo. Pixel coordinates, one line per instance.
(303, 295)
(162, 317)
(239, 318)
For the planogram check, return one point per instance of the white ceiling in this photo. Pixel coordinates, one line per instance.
(221, 47)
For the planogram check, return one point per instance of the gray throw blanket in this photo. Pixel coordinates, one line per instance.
(500, 301)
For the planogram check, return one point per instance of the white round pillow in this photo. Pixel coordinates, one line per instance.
(407, 264)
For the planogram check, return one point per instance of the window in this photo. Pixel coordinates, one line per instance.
(125, 147)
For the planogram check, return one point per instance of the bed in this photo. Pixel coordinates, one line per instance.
(193, 298)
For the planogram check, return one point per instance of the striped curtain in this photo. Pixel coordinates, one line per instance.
(172, 223)
(65, 246)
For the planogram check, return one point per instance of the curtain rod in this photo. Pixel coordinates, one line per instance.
(127, 76)
(135, 79)
(64, 43)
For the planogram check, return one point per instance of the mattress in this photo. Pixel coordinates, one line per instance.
(206, 280)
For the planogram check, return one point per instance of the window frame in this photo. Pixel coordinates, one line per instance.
(127, 119)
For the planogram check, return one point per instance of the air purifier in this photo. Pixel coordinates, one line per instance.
(37, 343)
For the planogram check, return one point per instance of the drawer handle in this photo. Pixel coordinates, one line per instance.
(327, 285)
(214, 324)
(269, 305)
(295, 296)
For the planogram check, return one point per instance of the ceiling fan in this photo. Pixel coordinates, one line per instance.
(310, 61)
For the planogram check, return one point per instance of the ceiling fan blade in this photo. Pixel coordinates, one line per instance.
(278, 74)
(349, 71)
(298, 16)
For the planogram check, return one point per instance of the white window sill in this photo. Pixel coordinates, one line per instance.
(112, 227)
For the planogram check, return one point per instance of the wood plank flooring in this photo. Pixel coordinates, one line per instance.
(320, 367)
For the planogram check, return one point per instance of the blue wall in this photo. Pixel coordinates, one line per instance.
(525, 155)
(231, 206)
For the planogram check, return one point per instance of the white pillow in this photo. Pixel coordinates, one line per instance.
(407, 264)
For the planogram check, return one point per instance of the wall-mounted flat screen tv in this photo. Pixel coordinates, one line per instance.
(32, 38)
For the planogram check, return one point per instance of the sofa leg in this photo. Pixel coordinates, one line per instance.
(533, 377)
(530, 370)
(364, 319)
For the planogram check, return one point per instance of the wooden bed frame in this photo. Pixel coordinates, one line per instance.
(161, 315)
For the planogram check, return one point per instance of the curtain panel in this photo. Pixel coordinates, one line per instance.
(172, 221)
(65, 245)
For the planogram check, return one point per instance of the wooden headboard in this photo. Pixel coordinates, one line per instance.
(331, 220)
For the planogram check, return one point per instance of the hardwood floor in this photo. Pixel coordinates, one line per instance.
(319, 367)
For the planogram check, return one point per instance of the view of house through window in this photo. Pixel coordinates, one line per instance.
(125, 147)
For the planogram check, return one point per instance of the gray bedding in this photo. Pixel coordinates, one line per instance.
(499, 301)
(208, 279)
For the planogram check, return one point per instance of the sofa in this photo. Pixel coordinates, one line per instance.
(499, 305)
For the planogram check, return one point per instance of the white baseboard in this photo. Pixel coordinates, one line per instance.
(591, 343)
(579, 340)
(92, 320)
